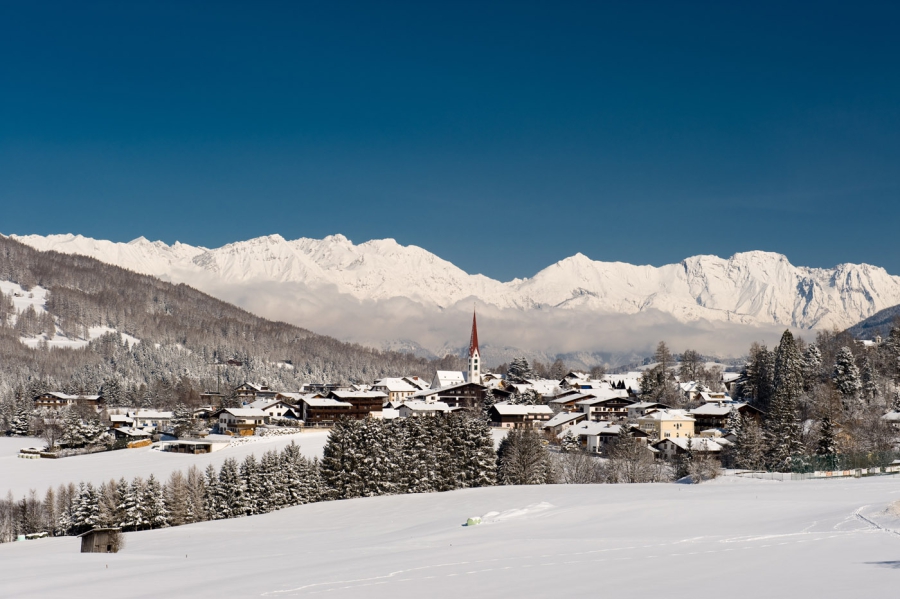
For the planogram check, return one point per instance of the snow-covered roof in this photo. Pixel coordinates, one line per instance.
(590, 429)
(571, 398)
(730, 376)
(324, 402)
(445, 378)
(120, 418)
(592, 401)
(245, 412)
(395, 385)
(667, 415)
(704, 444)
(133, 432)
(716, 409)
(563, 418)
(66, 396)
(153, 415)
(359, 394)
(714, 396)
(423, 406)
(892, 416)
(505, 409)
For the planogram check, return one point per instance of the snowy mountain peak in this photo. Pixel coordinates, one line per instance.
(755, 287)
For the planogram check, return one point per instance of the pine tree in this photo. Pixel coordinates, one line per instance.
(685, 460)
(182, 421)
(868, 386)
(337, 460)
(487, 404)
(522, 459)
(230, 501)
(20, 424)
(846, 375)
(782, 427)
(253, 492)
(211, 494)
(154, 506)
(733, 422)
(750, 447)
(519, 370)
(827, 448)
(812, 365)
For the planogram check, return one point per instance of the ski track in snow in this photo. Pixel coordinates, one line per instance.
(750, 543)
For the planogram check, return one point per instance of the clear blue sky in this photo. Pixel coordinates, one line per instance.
(501, 136)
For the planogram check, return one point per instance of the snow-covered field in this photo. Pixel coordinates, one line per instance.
(730, 538)
(18, 475)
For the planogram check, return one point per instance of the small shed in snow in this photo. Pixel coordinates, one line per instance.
(101, 540)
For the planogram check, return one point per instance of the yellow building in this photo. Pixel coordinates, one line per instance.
(667, 424)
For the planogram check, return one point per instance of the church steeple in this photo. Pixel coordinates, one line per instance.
(474, 354)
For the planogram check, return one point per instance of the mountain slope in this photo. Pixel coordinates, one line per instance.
(174, 332)
(757, 288)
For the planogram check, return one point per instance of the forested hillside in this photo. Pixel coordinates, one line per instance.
(181, 337)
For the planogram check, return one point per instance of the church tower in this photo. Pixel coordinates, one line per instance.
(474, 354)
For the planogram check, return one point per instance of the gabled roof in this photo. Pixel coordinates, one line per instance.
(244, 412)
(893, 416)
(564, 417)
(573, 398)
(723, 409)
(395, 385)
(505, 409)
(315, 401)
(422, 406)
(703, 444)
(667, 415)
(359, 394)
(593, 401)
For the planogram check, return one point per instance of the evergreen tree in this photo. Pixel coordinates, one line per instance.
(759, 371)
(782, 427)
(522, 459)
(569, 443)
(20, 424)
(868, 386)
(487, 404)
(254, 500)
(812, 365)
(685, 460)
(846, 375)
(182, 421)
(230, 501)
(733, 422)
(112, 392)
(155, 514)
(211, 493)
(750, 447)
(827, 448)
(519, 370)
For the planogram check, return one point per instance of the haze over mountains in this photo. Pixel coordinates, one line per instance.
(383, 293)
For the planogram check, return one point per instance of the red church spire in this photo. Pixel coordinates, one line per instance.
(473, 341)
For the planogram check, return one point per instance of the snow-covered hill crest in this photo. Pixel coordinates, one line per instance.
(757, 288)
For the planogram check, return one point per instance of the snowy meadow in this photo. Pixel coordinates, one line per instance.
(741, 538)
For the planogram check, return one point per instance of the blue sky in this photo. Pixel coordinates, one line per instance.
(501, 136)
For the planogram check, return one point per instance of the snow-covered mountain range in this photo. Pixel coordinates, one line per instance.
(751, 288)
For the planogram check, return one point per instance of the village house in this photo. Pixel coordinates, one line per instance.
(563, 421)
(664, 424)
(519, 416)
(55, 400)
(416, 408)
(152, 420)
(120, 420)
(131, 437)
(462, 395)
(250, 392)
(892, 419)
(365, 403)
(276, 408)
(671, 448)
(715, 414)
(596, 437)
(317, 410)
(326, 388)
(605, 408)
(241, 421)
(568, 401)
(642, 408)
(397, 389)
(447, 378)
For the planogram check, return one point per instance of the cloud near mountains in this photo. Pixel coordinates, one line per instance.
(382, 293)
